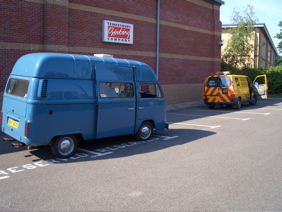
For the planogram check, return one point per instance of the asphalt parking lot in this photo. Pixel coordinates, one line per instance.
(209, 160)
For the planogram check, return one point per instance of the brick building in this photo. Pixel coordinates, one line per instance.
(177, 38)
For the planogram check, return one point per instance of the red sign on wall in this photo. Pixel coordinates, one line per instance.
(117, 32)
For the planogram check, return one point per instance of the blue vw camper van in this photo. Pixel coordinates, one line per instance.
(60, 99)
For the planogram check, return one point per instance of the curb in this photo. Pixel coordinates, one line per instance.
(185, 105)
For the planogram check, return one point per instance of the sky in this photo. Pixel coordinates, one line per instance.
(268, 12)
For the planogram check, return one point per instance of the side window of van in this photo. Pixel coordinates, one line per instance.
(17, 87)
(149, 90)
(116, 90)
(244, 82)
(237, 82)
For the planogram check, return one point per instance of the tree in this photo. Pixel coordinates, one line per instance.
(279, 36)
(240, 47)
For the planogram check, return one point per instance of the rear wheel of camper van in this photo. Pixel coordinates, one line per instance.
(145, 131)
(64, 146)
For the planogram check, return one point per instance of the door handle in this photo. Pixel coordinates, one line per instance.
(131, 108)
(140, 108)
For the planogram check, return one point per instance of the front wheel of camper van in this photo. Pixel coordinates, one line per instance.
(145, 131)
(64, 146)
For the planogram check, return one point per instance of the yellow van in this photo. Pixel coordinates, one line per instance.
(222, 88)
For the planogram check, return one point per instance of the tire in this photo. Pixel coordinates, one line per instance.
(238, 104)
(211, 106)
(145, 131)
(64, 146)
(253, 100)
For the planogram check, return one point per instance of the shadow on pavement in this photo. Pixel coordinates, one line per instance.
(124, 146)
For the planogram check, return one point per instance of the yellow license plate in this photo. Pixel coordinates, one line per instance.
(13, 123)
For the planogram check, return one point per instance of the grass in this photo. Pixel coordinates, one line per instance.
(277, 95)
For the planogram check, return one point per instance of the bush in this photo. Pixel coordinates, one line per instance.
(274, 76)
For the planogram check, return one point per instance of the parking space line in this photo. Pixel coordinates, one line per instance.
(266, 108)
(196, 125)
(246, 111)
(4, 177)
(242, 119)
(267, 102)
(254, 113)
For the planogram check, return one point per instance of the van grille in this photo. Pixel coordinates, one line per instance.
(44, 89)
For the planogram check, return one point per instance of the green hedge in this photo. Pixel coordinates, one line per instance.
(274, 75)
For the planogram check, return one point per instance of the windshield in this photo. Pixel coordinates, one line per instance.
(224, 82)
(17, 87)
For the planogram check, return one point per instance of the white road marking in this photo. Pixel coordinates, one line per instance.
(196, 125)
(253, 113)
(135, 194)
(165, 138)
(19, 169)
(243, 119)
(245, 111)
(270, 108)
(95, 154)
(267, 102)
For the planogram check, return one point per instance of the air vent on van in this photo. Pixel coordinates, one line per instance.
(44, 89)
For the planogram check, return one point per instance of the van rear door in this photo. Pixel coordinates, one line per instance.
(261, 85)
(217, 89)
(14, 107)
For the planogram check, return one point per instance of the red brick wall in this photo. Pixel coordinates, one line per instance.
(189, 33)
(146, 8)
(56, 24)
(21, 22)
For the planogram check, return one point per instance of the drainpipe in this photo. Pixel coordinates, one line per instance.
(158, 38)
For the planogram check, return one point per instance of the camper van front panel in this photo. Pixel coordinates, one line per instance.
(151, 105)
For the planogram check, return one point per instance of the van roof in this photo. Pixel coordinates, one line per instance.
(227, 75)
(58, 65)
